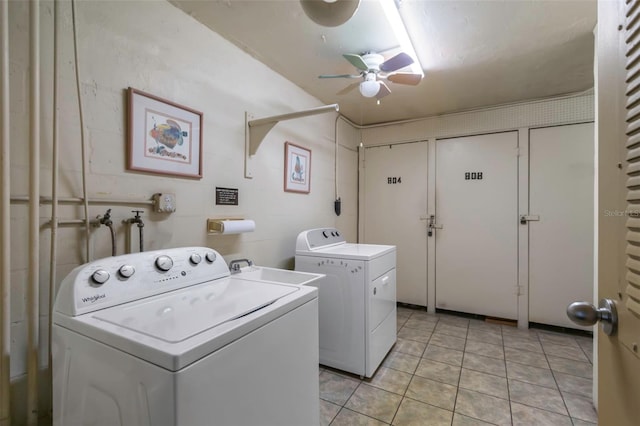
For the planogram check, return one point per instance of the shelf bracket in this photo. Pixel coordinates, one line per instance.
(256, 130)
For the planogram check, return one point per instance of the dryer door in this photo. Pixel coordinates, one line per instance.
(382, 298)
(382, 319)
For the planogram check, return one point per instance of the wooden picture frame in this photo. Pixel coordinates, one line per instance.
(163, 137)
(297, 168)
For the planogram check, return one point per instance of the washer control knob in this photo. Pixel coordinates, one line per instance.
(325, 234)
(210, 256)
(195, 258)
(100, 276)
(164, 262)
(126, 271)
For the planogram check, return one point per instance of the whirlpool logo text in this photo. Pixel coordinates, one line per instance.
(93, 299)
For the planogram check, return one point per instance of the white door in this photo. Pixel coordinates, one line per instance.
(618, 272)
(561, 171)
(395, 181)
(476, 205)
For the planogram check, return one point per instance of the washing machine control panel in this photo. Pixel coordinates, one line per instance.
(120, 279)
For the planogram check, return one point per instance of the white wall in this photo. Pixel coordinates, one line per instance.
(155, 47)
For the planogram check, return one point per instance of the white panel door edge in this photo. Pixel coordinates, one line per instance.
(431, 241)
(523, 231)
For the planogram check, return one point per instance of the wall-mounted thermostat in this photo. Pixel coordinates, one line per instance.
(164, 202)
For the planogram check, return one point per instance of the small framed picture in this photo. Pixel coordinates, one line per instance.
(297, 168)
(164, 137)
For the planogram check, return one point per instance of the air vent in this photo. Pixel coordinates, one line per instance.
(632, 69)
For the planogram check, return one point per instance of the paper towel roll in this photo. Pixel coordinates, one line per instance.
(234, 226)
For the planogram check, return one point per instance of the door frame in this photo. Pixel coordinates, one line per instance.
(523, 231)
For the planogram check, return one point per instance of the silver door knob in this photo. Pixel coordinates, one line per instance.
(584, 313)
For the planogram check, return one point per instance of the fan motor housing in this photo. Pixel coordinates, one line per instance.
(373, 61)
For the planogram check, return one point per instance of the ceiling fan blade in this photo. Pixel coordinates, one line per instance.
(401, 60)
(348, 88)
(384, 90)
(405, 78)
(339, 76)
(356, 61)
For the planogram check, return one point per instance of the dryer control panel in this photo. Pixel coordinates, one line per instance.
(316, 238)
(120, 279)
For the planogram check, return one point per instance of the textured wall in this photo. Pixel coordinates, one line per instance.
(570, 109)
(155, 47)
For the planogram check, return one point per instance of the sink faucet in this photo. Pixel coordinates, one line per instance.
(234, 265)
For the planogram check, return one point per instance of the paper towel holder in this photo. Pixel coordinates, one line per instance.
(216, 226)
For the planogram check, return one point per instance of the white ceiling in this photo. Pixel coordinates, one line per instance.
(474, 53)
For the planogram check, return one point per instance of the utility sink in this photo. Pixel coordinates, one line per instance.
(261, 273)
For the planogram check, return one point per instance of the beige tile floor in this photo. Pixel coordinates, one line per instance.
(449, 370)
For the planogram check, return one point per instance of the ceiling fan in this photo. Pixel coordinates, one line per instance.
(373, 69)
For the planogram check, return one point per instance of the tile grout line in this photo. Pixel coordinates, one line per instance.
(506, 373)
(546, 357)
(455, 402)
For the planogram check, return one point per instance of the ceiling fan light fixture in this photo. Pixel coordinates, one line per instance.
(369, 88)
(392, 13)
(330, 13)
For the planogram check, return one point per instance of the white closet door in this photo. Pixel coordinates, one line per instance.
(476, 204)
(395, 180)
(561, 170)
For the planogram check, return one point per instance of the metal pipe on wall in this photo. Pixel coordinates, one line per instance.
(53, 256)
(5, 220)
(80, 200)
(33, 307)
(83, 144)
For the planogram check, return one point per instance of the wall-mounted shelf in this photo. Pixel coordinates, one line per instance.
(256, 130)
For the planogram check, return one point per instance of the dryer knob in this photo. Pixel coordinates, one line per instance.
(210, 256)
(325, 234)
(195, 258)
(100, 276)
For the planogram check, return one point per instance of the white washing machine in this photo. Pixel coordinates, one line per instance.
(169, 337)
(357, 298)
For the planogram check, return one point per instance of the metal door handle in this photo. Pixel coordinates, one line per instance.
(526, 218)
(584, 313)
(432, 225)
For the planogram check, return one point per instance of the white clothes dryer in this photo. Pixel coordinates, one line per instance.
(356, 299)
(169, 337)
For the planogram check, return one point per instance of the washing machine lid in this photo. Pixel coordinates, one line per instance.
(174, 318)
(350, 251)
(174, 330)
